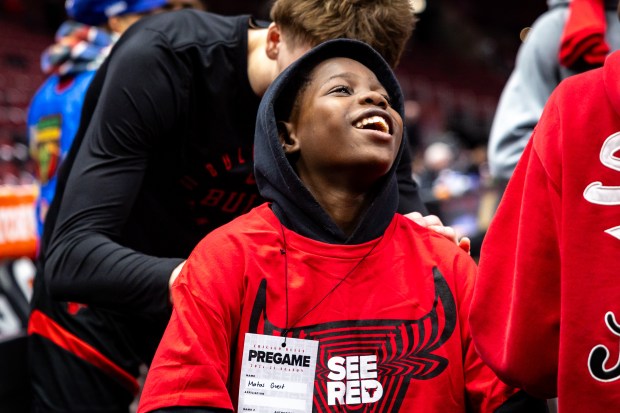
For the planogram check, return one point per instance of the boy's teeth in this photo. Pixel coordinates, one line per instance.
(373, 120)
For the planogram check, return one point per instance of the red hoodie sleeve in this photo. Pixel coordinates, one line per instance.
(192, 363)
(485, 392)
(515, 309)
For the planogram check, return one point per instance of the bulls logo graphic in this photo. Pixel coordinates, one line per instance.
(371, 391)
(600, 355)
(367, 365)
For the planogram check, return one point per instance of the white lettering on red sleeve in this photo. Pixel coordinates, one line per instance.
(599, 194)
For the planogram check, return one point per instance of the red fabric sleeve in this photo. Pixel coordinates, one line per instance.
(192, 363)
(583, 38)
(515, 308)
(485, 392)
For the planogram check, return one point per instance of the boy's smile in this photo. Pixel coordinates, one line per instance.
(375, 122)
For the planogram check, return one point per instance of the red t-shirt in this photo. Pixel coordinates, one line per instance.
(406, 303)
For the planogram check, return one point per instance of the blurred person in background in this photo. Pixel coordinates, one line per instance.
(82, 44)
(546, 304)
(571, 37)
(163, 156)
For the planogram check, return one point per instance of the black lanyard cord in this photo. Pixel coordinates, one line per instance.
(283, 251)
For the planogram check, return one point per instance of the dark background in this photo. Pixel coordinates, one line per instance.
(443, 21)
(452, 73)
(455, 65)
(452, 38)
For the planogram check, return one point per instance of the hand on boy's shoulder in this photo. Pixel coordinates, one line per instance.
(433, 223)
(173, 277)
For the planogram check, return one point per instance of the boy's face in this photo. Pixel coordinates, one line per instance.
(343, 125)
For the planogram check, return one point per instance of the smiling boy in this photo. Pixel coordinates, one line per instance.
(164, 155)
(329, 260)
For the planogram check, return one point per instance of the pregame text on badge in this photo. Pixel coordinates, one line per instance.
(277, 379)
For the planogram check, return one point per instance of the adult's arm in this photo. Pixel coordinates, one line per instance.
(535, 76)
(192, 364)
(140, 100)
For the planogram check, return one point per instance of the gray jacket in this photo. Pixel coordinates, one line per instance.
(537, 72)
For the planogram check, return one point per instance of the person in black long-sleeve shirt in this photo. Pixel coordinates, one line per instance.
(163, 156)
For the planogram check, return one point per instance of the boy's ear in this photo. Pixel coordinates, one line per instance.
(288, 139)
(274, 38)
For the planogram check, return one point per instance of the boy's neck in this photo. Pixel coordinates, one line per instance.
(344, 207)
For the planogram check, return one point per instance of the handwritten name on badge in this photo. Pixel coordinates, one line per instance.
(277, 379)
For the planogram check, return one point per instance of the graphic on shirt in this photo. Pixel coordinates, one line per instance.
(46, 146)
(206, 184)
(599, 355)
(369, 364)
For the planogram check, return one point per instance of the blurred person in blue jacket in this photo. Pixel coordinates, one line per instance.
(81, 45)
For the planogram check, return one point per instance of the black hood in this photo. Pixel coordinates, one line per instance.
(278, 182)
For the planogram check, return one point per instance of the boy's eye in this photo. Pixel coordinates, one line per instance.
(387, 98)
(341, 89)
